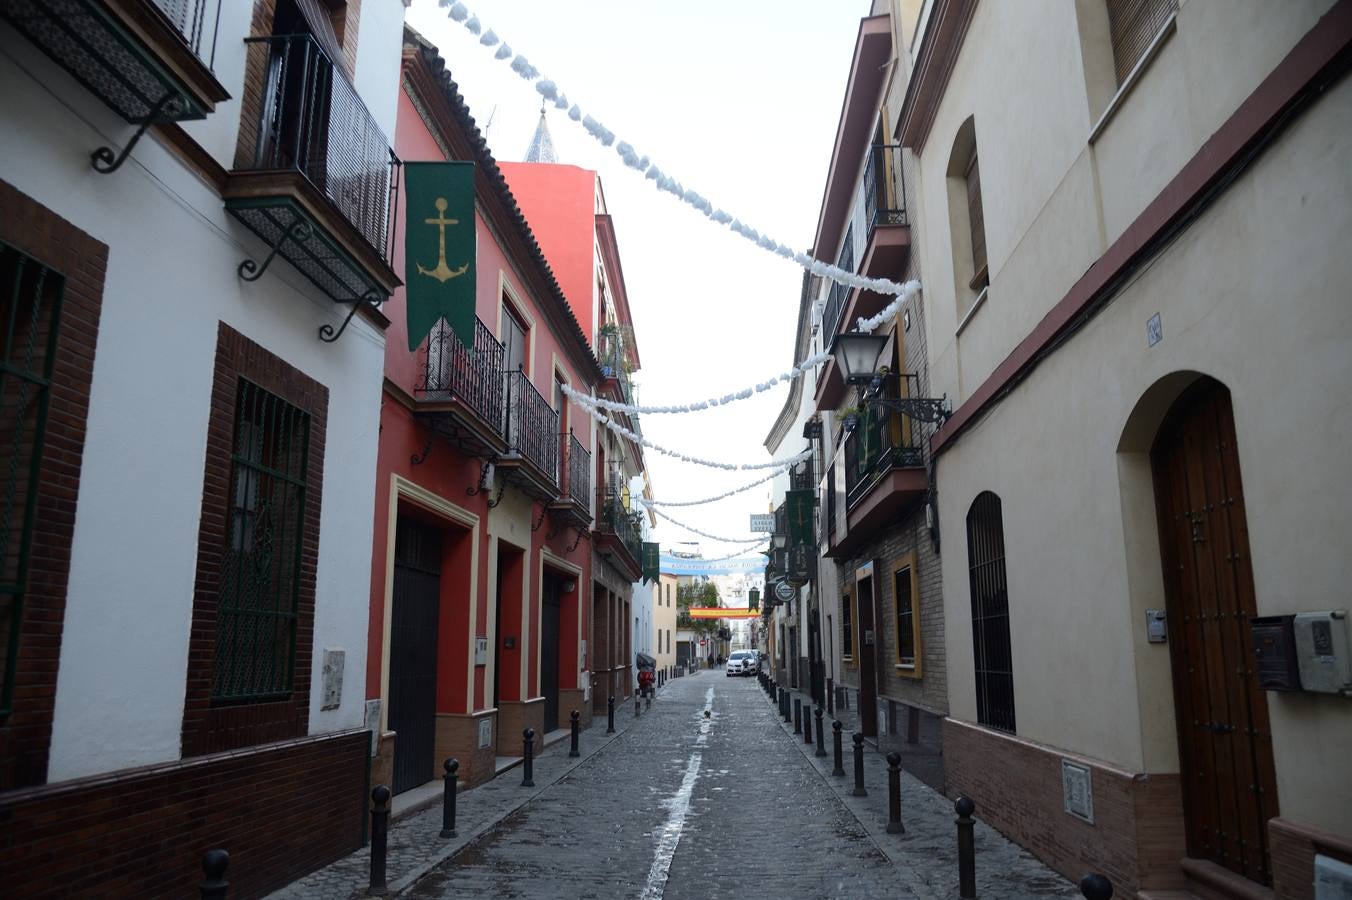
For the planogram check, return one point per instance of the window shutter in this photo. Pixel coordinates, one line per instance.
(976, 217)
(1133, 25)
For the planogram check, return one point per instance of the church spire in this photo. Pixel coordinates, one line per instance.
(541, 146)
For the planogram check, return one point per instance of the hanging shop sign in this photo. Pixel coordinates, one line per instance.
(798, 507)
(784, 592)
(762, 522)
(439, 249)
(802, 565)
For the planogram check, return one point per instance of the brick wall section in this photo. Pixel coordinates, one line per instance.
(1293, 851)
(281, 811)
(25, 735)
(207, 726)
(1137, 837)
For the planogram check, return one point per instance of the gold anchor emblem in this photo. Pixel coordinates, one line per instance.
(442, 272)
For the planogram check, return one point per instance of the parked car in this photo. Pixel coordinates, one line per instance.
(743, 662)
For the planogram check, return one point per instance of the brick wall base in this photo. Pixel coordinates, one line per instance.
(1294, 847)
(514, 717)
(458, 738)
(281, 810)
(1137, 838)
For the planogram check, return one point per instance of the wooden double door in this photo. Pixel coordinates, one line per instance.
(1225, 743)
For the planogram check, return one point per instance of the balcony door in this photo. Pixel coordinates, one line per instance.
(867, 650)
(514, 359)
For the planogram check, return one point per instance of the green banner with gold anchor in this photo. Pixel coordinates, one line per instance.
(652, 562)
(798, 506)
(439, 248)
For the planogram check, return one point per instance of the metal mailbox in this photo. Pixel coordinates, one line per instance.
(1274, 650)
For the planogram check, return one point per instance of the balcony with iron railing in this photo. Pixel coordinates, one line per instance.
(574, 501)
(531, 429)
(150, 61)
(460, 390)
(618, 535)
(313, 173)
(885, 473)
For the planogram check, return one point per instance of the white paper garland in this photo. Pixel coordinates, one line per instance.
(549, 90)
(675, 454)
(705, 534)
(745, 487)
(740, 554)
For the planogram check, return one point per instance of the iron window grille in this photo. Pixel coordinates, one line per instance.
(992, 657)
(835, 301)
(905, 603)
(30, 312)
(260, 577)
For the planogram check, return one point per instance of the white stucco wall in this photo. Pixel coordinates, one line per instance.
(1253, 294)
(171, 276)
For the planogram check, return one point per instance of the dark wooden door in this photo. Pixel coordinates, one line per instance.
(1225, 745)
(868, 654)
(549, 652)
(413, 652)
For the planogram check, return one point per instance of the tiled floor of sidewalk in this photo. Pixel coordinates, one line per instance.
(926, 853)
(414, 848)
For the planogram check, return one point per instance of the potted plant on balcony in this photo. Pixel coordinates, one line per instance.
(849, 418)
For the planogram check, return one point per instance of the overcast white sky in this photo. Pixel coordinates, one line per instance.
(736, 99)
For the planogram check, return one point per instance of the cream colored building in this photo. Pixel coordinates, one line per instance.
(664, 622)
(1134, 236)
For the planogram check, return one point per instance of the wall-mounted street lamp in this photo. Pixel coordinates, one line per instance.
(856, 354)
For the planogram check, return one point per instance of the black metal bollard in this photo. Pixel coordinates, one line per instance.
(858, 766)
(836, 729)
(797, 715)
(610, 715)
(966, 847)
(577, 729)
(449, 781)
(528, 758)
(821, 741)
(380, 824)
(894, 825)
(638, 706)
(1096, 887)
(214, 864)
(807, 724)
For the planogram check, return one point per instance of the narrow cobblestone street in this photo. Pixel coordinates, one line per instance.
(724, 806)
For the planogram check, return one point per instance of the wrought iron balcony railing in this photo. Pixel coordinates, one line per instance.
(883, 441)
(312, 121)
(198, 21)
(623, 524)
(840, 293)
(577, 469)
(531, 425)
(471, 375)
(884, 189)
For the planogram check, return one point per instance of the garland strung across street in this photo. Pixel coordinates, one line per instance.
(663, 182)
(745, 487)
(705, 534)
(779, 464)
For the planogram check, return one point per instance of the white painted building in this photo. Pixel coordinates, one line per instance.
(198, 555)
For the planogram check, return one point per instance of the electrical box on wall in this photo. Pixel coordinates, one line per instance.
(1274, 651)
(481, 651)
(1156, 626)
(1322, 652)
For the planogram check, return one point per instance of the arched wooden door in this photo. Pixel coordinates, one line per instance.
(1224, 741)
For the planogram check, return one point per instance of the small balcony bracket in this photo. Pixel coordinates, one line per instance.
(299, 231)
(580, 534)
(483, 479)
(419, 458)
(502, 489)
(920, 409)
(535, 526)
(326, 332)
(105, 162)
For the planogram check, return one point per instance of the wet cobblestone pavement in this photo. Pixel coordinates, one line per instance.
(732, 805)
